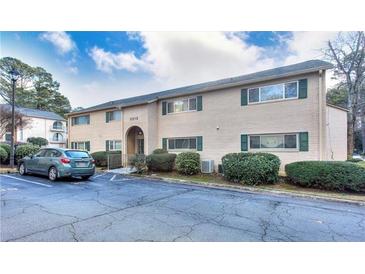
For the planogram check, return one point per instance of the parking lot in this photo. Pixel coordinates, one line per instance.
(111, 207)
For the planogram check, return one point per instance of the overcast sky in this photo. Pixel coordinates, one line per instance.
(95, 67)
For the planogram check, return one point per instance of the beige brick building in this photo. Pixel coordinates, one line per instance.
(281, 111)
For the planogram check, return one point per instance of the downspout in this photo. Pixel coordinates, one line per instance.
(321, 116)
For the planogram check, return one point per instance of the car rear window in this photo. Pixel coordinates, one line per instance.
(77, 154)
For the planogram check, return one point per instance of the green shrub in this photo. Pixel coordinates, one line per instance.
(139, 162)
(100, 157)
(188, 163)
(25, 150)
(354, 160)
(161, 162)
(7, 148)
(159, 151)
(327, 175)
(38, 141)
(3, 155)
(251, 168)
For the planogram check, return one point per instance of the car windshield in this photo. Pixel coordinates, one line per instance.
(77, 154)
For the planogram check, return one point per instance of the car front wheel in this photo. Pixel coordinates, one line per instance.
(22, 170)
(52, 174)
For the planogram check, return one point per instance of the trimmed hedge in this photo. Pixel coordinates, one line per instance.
(251, 168)
(3, 155)
(159, 151)
(161, 162)
(188, 163)
(25, 150)
(38, 141)
(327, 175)
(7, 148)
(101, 157)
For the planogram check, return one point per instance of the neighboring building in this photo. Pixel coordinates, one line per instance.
(281, 110)
(45, 124)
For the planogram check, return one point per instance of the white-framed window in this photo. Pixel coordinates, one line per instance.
(57, 137)
(283, 91)
(274, 142)
(182, 143)
(81, 145)
(114, 115)
(114, 145)
(57, 125)
(81, 120)
(184, 105)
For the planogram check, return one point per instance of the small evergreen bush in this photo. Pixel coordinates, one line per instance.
(188, 163)
(25, 150)
(251, 168)
(161, 162)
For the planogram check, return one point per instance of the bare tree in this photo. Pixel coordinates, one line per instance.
(5, 119)
(347, 52)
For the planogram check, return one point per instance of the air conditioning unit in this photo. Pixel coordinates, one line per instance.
(207, 166)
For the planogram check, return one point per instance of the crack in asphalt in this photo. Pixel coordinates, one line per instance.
(99, 215)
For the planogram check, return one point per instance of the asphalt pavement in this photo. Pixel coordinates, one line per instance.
(111, 207)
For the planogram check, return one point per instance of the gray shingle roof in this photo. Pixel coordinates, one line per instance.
(36, 113)
(304, 67)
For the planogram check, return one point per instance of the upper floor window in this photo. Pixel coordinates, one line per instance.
(57, 125)
(113, 116)
(189, 104)
(81, 120)
(273, 92)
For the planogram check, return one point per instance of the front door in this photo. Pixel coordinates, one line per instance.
(140, 146)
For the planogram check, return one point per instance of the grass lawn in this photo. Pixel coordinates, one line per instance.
(280, 187)
(362, 164)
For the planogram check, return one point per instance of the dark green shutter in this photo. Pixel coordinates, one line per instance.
(164, 143)
(107, 145)
(107, 116)
(164, 106)
(199, 103)
(244, 142)
(244, 100)
(303, 87)
(303, 141)
(72, 145)
(199, 143)
(87, 144)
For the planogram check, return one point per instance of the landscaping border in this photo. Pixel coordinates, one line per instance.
(253, 190)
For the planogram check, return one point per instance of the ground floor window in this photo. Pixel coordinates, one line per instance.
(182, 143)
(84, 145)
(274, 141)
(113, 145)
(57, 137)
(8, 137)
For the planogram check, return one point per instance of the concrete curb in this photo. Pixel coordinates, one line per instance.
(252, 190)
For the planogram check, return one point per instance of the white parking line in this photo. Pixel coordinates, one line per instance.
(99, 175)
(20, 179)
(112, 178)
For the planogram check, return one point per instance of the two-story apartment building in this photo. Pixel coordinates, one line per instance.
(45, 124)
(281, 111)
